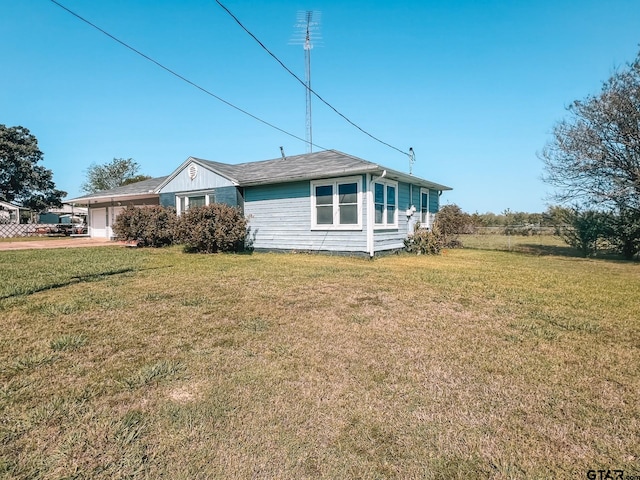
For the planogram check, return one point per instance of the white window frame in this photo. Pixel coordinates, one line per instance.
(430, 216)
(385, 225)
(186, 195)
(335, 183)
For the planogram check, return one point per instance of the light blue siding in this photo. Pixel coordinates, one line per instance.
(228, 195)
(280, 219)
(280, 214)
(415, 198)
(204, 180)
(391, 239)
(434, 201)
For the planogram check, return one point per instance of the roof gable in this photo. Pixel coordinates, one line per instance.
(194, 174)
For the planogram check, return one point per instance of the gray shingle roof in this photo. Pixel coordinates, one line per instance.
(324, 164)
(138, 188)
(327, 163)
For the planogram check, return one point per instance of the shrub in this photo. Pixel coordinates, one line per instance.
(623, 232)
(151, 226)
(450, 222)
(453, 221)
(424, 242)
(582, 229)
(212, 228)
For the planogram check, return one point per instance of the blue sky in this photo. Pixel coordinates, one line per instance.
(474, 87)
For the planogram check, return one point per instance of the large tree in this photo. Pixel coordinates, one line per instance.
(118, 172)
(22, 180)
(594, 157)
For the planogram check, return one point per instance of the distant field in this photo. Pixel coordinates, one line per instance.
(127, 363)
(536, 244)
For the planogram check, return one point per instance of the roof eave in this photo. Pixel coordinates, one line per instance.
(297, 178)
(407, 178)
(110, 198)
(373, 169)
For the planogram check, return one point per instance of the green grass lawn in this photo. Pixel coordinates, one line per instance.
(131, 363)
(33, 238)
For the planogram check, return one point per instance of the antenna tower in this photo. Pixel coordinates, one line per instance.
(307, 24)
(412, 160)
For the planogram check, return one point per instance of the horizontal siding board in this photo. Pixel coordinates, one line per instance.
(404, 199)
(280, 218)
(415, 199)
(227, 195)
(434, 201)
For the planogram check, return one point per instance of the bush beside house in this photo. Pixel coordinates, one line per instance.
(209, 229)
(212, 228)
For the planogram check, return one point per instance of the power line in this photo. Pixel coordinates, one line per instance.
(303, 83)
(184, 79)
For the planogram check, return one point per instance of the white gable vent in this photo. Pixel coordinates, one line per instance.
(193, 171)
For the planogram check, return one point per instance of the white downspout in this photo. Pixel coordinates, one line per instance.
(369, 216)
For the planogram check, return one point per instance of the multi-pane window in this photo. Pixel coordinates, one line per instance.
(385, 199)
(424, 206)
(336, 203)
(348, 203)
(426, 218)
(186, 202)
(197, 201)
(324, 204)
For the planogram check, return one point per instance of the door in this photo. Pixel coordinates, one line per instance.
(98, 225)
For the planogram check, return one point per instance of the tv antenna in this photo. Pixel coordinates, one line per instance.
(307, 24)
(412, 160)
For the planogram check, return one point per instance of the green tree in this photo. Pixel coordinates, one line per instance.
(623, 231)
(582, 229)
(22, 180)
(118, 172)
(593, 158)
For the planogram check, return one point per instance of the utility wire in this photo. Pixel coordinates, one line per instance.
(184, 79)
(304, 84)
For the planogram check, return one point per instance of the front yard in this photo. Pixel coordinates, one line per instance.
(120, 363)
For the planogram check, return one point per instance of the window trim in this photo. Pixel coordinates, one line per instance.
(335, 183)
(185, 196)
(385, 225)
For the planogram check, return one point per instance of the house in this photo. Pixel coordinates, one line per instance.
(12, 213)
(66, 214)
(322, 201)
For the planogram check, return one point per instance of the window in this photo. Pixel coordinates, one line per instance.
(198, 201)
(336, 204)
(185, 202)
(426, 218)
(385, 199)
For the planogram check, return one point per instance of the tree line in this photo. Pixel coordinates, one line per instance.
(587, 230)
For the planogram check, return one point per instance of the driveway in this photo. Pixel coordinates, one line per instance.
(61, 242)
